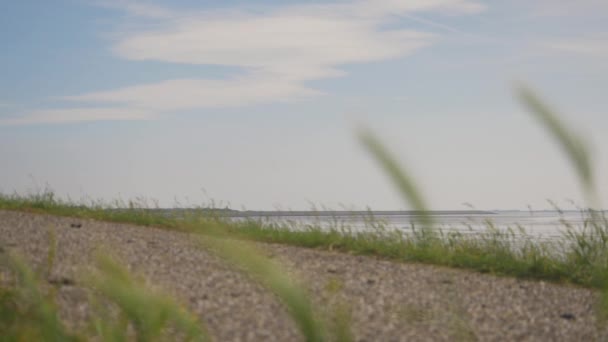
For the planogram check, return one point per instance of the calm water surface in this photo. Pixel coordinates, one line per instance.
(540, 224)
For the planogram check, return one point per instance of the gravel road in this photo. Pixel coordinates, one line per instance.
(388, 301)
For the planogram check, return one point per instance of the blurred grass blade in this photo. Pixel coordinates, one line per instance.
(26, 314)
(244, 255)
(401, 178)
(573, 146)
(150, 312)
(50, 260)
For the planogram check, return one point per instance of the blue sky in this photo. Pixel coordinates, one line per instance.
(255, 104)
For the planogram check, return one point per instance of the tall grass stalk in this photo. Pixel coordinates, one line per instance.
(588, 247)
(245, 256)
(26, 313)
(573, 146)
(149, 312)
(402, 180)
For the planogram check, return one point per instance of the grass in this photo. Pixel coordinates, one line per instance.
(149, 312)
(26, 313)
(264, 270)
(581, 258)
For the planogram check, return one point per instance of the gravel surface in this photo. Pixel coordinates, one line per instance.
(387, 301)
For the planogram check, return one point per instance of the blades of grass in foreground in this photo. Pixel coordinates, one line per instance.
(25, 313)
(399, 176)
(587, 249)
(50, 259)
(149, 312)
(244, 255)
(342, 323)
(571, 144)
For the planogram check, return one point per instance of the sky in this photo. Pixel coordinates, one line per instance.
(256, 104)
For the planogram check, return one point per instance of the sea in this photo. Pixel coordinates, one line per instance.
(543, 225)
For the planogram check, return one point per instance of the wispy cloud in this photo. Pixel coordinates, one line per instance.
(138, 9)
(564, 8)
(184, 94)
(278, 49)
(595, 47)
(82, 114)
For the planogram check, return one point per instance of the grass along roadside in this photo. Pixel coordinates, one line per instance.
(581, 258)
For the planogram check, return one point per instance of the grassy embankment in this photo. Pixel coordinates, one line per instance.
(581, 258)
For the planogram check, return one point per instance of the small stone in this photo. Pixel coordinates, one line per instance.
(75, 225)
(332, 270)
(61, 281)
(371, 281)
(567, 316)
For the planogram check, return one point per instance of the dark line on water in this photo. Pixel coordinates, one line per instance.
(320, 213)
(359, 213)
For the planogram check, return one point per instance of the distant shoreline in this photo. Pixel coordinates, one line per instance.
(325, 213)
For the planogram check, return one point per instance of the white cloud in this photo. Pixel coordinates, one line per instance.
(186, 94)
(279, 50)
(273, 43)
